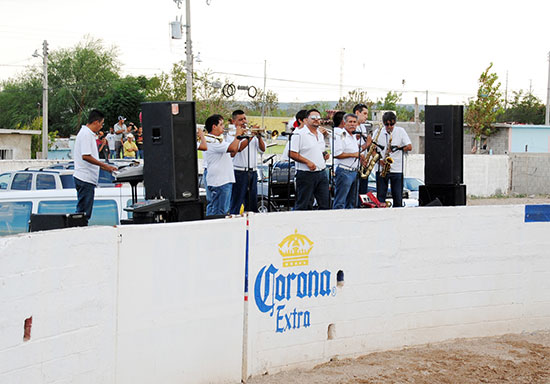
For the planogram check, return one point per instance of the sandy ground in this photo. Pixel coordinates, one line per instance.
(523, 358)
(510, 200)
(516, 359)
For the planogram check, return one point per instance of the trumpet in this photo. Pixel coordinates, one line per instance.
(210, 138)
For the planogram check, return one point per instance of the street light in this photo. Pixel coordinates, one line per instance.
(44, 57)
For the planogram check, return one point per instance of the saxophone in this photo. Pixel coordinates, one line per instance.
(371, 158)
(388, 161)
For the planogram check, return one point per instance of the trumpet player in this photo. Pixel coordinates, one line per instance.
(347, 156)
(220, 177)
(245, 188)
(390, 167)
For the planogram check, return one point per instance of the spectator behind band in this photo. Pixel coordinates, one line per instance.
(130, 148)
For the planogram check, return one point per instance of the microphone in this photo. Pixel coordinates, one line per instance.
(285, 133)
(268, 159)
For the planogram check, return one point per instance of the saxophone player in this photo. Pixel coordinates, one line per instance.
(390, 167)
(347, 157)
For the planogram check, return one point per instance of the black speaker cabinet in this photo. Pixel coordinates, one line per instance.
(170, 166)
(448, 195)
(187, 211)
(444, 135)
(47, 221)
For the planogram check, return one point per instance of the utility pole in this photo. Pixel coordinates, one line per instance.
(188, 52)
(547, 119)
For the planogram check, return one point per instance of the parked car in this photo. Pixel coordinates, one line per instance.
(32, 180)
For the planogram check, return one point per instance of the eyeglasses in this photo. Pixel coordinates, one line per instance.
(315, 117)
(389, 123)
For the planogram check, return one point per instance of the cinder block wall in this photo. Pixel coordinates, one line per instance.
(530, 173)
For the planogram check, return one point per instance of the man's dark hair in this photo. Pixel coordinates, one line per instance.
(389, 116)
(359, 108)
(337, 118)
(301, 115)
(236, 113)
(95, 115)
(211, 121)
(311, 111)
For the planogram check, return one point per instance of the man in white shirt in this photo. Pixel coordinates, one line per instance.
(220, 176)
(346, 163)
(308, 150)
(245, 188)
(395, 141)
(362, 112)
(87, 164)
(119, 129)
(111, 140)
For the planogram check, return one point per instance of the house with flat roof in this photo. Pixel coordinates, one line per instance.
(15, 144)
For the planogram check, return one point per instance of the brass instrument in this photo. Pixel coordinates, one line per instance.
(388, 161)
(371, 158)
(210, 138)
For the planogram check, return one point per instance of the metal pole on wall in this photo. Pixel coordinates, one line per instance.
(45, 102)
(189, 52)
(547, 119)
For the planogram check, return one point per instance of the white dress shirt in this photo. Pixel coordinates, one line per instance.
(85, 144)
(240, 161)
(345, 143)
(399, 139)
(220, 166)
(311, 147)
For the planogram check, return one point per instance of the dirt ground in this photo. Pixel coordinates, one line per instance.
(523, 358)
(510, 200)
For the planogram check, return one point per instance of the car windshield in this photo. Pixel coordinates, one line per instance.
(413, 184)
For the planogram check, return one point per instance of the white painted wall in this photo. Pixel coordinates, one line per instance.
(412, 276)
(136, 304)
(65, 280)
(484, 175)
(180, 312)
(164, 303)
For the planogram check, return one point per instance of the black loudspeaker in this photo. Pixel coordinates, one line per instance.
(170, 165)
(44, 222)
(444, 136)
(187, 211)
(448, 195)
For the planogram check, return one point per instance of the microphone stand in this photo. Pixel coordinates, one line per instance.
(332, 172)
(269, 180)
(288, 174)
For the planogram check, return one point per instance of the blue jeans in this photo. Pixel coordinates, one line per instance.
(140, 154)
(309, 185)
(220, 200)
(345, 190)
(85, 193)
(239, 194)
(112, 154)
(208, 197)
(396, 180)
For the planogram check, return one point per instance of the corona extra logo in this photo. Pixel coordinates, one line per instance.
(295, 250)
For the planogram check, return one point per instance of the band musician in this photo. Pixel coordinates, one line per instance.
(220, 176)
(395, 142)
(245, 188)
(308, 151)
(347, 158)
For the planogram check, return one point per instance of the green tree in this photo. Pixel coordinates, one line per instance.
(124, 97)
(271, 102)
(389, 102)
(525, 109)
(78, 78)
(36, 140)
(483, 110)
(20, 100)
(357, 96)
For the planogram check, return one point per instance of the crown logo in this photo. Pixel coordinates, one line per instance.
(295, 250)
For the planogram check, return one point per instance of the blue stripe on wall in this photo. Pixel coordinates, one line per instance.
(537, 213)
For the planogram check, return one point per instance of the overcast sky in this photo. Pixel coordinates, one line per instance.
(316, 45)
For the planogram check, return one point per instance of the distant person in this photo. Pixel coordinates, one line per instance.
(300, 119)
(130, 147)
(119, 129)
(139, 142)
(87, 164)
(103, 148)
(111, 140)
